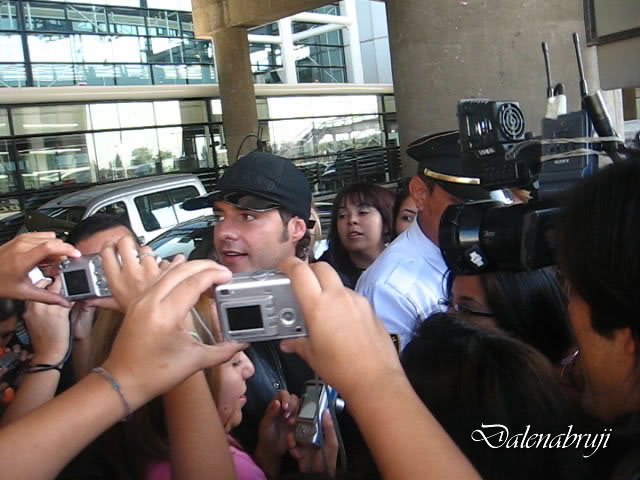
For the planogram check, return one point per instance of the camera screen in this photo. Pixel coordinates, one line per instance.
(76, 282)
(244, 318)
(309, 405)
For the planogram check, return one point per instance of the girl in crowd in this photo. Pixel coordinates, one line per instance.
(142, 447)
(361, 226)
(404, 211)
(531, 306)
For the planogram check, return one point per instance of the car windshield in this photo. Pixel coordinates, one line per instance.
(70, 214)
(193, 240)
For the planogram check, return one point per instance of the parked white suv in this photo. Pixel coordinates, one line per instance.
(151, 204)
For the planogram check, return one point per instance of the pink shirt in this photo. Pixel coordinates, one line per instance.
(246, 468)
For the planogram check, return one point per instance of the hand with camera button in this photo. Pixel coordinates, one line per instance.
(21, 255)
(311, 458)
(278, 421)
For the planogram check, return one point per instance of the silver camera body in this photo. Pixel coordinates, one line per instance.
(259, 306)
(315, 401)
(83, 278)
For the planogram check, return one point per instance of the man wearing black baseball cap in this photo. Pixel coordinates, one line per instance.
(406, 282)
(263, 204)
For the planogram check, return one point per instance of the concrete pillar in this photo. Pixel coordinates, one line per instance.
(354, 42)
(630, 104)
(237, 95)
(442, 51)
(288, 54)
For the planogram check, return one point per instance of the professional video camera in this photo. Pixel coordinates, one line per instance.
(497, 153)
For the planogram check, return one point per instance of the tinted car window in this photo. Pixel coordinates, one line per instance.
(156, 211)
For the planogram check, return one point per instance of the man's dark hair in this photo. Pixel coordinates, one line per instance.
(96, 224)
(468, 375)
(598, 246)
(302, 247)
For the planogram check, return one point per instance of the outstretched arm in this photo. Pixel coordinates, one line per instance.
(350, 349)
(153, 352)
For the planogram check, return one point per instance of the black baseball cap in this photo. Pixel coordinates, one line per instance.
(260, 181)
(439, 158)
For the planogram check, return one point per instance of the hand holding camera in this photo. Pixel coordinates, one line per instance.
(348, 345)
(48, 327)
(20, 255)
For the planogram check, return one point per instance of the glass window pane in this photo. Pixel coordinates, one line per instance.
(46, 17)
(45, 119)
(163, 23)
(186, 23)
(127, 21)
(104, 116)
(140, 152)
(389, 103)
(112, 160)
(197, 51)
(136, 114)
(124, 3)
(94, 48)
(155, 211)
(53, 75)
(128, 49)
(11, 48)
(169, 74)
(133, 74)
(165, 50)
(8, 178)
(8, 19)
(170, 154)
(51, 161)
(200, 74)
(117, 209)
(86, 18)
(96, 74)
(13, 75)
(4, 123)
(50, 48)
(180, 112)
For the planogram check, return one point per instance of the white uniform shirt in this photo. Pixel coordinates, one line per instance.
(405, 282)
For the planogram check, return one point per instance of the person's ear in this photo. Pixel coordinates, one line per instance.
(419, 192)
(297, 228)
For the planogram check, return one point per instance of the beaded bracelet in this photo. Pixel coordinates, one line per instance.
(116, 386)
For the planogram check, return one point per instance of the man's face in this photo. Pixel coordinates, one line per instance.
(247, 241)
(95, 242)
(431, 204)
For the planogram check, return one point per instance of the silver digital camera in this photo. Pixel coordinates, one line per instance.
(259, 306)
(83, 278)
(315, 401)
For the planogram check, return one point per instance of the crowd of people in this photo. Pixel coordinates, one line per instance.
(143, 384)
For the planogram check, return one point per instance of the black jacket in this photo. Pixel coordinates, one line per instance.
(274, 371)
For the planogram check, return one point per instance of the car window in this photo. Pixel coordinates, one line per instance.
(155, 211)
(179, 195)
(117, 209)
(70, 214)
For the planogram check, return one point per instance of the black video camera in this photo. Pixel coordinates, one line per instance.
(485, 236)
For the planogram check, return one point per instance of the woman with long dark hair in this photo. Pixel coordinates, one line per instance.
(361, 227)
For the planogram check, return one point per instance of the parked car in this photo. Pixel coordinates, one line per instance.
(151, 204)
(193, 239)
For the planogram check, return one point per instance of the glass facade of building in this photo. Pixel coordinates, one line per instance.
(318, 59)
(49, 43)
(48, 149)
